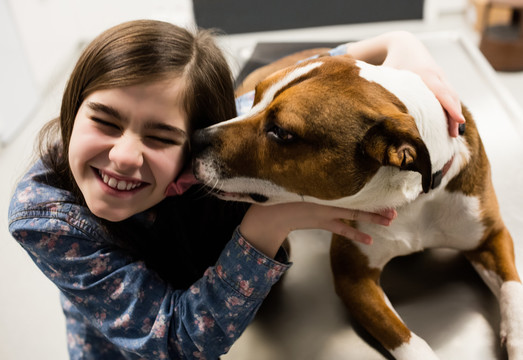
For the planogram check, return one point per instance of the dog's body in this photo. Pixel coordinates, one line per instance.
(337, 131)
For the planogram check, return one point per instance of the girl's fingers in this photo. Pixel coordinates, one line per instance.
(454, 114)
(349, 232)
(388, 213)
(448, 99)
(382, 217)
(338, 226)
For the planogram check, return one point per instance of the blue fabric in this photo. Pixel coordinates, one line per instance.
(116, 305)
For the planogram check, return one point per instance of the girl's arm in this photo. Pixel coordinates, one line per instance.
(266, 227)
(131, 305)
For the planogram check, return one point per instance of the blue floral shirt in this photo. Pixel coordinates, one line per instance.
(118, 308)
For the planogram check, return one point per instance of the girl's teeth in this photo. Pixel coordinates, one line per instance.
(122, 185)
(115, 184)
(112, 182)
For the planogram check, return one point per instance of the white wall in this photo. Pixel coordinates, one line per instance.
(50, 30)
(18, 91)
(42, 36)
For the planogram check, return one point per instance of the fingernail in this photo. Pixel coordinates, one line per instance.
(392, 214)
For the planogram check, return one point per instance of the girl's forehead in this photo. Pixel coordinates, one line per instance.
(170, 87)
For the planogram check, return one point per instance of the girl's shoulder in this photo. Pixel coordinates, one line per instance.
(35, 197)
(36, 187)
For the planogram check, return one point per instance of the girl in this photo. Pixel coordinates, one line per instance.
(144, 274)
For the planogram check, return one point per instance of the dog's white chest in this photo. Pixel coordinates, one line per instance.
(441, 219)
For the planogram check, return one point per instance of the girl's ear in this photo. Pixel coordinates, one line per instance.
(182, 183)
(395, 141)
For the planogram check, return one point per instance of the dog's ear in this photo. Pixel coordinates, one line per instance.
(397, 142)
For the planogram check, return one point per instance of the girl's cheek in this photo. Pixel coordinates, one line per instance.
(176, 164)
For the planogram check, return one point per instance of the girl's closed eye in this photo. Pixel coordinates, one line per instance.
(164, 140)
(162, 133)
(105, 123)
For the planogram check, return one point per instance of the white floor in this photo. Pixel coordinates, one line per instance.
(31, 323)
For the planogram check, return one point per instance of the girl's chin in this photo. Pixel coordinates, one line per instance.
(115, 212)
(110, 211)
(112, 216)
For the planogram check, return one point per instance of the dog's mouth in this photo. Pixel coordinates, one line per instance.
(259, 198)
(237, 196)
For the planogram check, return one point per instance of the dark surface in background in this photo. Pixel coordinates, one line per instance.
(237, 16)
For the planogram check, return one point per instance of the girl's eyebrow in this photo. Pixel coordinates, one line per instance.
(109, 110)
(150, 125)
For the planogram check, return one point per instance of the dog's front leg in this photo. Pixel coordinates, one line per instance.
(494, 261)
(358, 286)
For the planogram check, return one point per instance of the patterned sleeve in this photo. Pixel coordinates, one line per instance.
(339, 50)
(244, 103)
(133, 307)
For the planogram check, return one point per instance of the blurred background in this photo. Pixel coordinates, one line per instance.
(41, 39)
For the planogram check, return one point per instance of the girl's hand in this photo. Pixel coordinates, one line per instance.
(266, 227)
(403, 50)
(408, 52)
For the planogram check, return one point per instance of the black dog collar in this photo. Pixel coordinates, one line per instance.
(438, 175)
(461, 129)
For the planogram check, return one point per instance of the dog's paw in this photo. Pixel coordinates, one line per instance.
(514, 345)
(511, 327)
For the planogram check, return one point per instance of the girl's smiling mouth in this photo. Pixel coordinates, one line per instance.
(119, 184)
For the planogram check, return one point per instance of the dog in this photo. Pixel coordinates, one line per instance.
(341, 132)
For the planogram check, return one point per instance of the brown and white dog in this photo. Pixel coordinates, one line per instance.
(337, 131)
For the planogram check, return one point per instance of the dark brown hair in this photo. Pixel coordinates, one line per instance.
(138, 52)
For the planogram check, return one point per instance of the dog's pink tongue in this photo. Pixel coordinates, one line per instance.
(182, 183)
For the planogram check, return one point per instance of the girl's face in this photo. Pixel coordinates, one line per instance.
(127, 145)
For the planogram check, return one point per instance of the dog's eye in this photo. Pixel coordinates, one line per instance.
(279, 134)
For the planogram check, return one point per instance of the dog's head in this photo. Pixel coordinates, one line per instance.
(320, 132)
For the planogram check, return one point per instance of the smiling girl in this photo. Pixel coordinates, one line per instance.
(147, 266)
(127, 145)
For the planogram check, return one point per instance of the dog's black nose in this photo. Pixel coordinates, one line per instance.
(199, 141)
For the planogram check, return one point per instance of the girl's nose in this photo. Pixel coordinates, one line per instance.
(126, 153)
